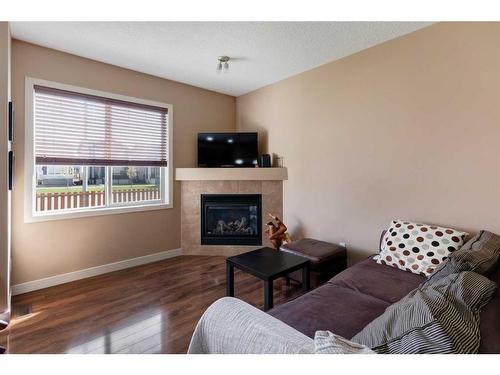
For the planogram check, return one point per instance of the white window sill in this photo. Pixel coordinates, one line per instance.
(74, 214)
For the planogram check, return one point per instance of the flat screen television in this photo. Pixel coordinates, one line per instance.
(219, 150)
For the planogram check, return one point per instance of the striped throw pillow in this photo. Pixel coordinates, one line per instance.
(480, 254)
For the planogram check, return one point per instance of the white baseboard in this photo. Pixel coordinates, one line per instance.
(93, 271)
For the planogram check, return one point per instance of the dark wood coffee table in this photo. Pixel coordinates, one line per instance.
(267, 264)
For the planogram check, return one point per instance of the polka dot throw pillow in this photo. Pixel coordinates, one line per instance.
(418, 248)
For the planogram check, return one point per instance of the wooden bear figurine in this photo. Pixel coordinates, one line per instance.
(277, 232)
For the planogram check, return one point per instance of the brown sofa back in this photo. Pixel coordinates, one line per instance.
(489, 320)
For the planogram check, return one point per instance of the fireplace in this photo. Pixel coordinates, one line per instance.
(231, 219)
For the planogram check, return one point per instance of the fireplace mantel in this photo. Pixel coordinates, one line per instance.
(231, 174)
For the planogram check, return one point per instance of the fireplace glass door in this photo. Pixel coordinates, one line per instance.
(231, 219)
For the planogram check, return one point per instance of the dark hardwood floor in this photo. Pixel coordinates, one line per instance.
(147, 309)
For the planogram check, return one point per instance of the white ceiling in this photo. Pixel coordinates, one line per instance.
(262, 52)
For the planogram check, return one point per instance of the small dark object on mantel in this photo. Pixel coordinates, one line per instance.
(265, 161)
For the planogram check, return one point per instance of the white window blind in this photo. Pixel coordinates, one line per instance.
(79, 129)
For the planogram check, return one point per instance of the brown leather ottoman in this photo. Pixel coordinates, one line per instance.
(326, 259)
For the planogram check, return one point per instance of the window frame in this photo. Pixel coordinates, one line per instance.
(30, 214)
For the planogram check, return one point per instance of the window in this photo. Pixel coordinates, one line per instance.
(93, 153)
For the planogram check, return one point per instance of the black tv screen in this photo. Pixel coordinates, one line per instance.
(227, 150)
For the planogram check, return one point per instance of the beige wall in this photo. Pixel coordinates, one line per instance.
(407, 129)
(4, 193)
(55, 247)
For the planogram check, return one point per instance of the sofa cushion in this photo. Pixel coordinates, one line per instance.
(330, 308)
(383, 282)
(418, 248)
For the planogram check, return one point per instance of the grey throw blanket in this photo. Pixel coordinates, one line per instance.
(438, 317)
(231, 326)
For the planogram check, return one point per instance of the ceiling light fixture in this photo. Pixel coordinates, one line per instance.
(223, 63)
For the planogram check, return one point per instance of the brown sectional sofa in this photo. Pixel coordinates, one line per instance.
(356, 296)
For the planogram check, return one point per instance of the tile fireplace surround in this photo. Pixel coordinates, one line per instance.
(197, 181)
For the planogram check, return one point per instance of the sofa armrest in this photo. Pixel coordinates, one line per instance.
(231, 326)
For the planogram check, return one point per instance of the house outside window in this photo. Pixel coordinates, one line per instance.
(94, 153)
